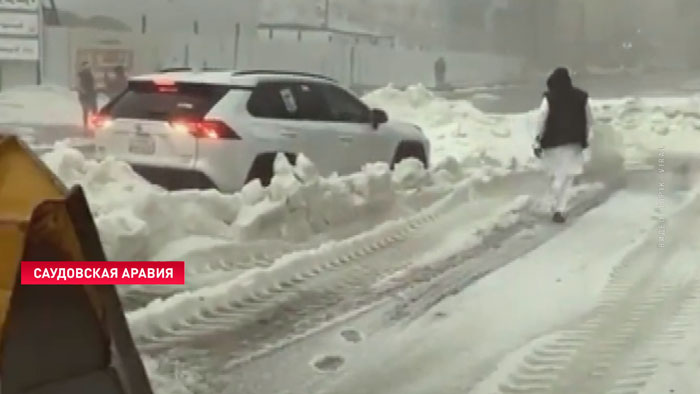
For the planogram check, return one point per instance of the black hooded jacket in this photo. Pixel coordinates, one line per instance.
(566, 123)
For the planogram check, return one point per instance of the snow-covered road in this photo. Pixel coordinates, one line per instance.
(598, 294)
(304, 292)
(648, 304)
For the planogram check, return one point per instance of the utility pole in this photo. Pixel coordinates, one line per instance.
(535, 54)
(327, 13)
(54, 19)
(583, 38)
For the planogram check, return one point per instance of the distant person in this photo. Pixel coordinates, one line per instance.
(118, 83)
(87, 92)
(564, 132)
(440, 72)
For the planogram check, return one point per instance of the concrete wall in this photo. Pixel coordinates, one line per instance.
(186, 50)
(317, 57)
(57, 68)
(365, 65)
(215, 17)
(17, 73)
(290, 35)
(66, 48)
(376, 66)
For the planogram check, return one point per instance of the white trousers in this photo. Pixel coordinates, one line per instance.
(559, 192)
(562, 165)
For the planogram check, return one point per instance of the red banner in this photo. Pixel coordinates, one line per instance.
(103, 273)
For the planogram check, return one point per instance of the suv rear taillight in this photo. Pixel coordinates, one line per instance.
(210, 129)
(97, 121)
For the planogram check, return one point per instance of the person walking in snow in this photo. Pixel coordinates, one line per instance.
(563, 134)
(440, 72)
(87, 92)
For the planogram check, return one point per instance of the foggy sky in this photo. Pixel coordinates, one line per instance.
(171, 12)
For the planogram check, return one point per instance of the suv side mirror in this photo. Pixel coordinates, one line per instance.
(378, 117)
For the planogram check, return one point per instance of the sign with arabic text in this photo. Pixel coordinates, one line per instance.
(19, 5)
(19, 49)
(16, 24)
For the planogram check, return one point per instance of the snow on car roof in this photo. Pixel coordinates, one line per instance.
(228, 77)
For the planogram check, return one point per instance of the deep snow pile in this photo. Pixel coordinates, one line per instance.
(138, 220)
(652, 125)
(456, 128)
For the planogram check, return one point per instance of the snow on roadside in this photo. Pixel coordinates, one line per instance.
(457, 128)
(295, 265)
(138, 220)
(652, 125)
(45, 104)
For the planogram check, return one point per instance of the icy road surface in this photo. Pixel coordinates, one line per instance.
(232, 335)
(600, 305)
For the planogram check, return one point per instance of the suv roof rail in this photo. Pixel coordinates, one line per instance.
(174, 69)
(177, 69)
(296, 73)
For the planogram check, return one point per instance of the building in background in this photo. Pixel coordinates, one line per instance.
(20, 44)
(482, 40)
(143, 36)
(296, 32)
(212, 16)
(414, 23)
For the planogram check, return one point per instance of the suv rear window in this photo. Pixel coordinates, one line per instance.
(145, 100)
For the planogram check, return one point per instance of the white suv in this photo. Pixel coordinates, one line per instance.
(222, 129)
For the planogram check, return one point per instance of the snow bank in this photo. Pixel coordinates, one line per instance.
(652, 125)
(40, 105)
(138, 220)
(456, 128)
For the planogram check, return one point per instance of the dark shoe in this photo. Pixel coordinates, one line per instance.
(558, 218)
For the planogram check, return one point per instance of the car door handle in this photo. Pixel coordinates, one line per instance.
(346, 139)
(289, 135)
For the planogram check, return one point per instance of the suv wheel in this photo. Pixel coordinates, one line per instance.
(408, 150)
(263, 167)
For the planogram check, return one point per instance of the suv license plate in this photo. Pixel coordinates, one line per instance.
(142, 145)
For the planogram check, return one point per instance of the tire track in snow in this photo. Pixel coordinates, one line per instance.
(295, 268)
(250, 319)
(648, 303)
(432, 284)
(351, 292)
(239, 258)
(340, 284)
(262, 254)
(329, 268)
